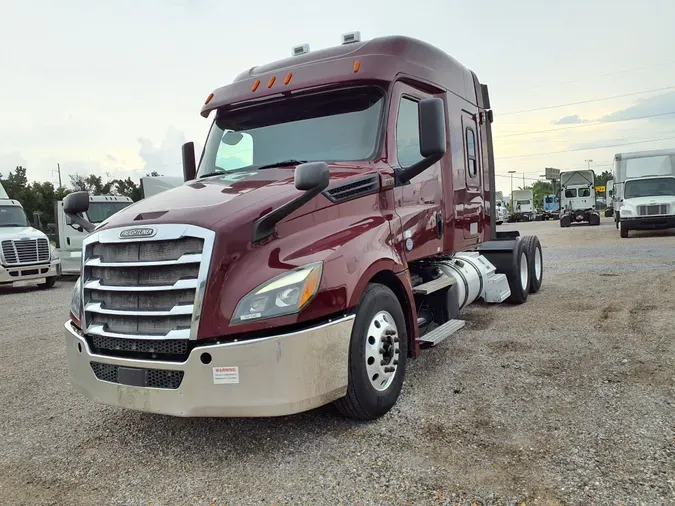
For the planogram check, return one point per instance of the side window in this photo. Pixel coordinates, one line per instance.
(571, 193)
(235, 150)
(584, 192)
(472, 164)
(407, 133)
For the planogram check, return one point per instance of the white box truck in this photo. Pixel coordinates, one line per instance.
(71, 235)
(577, 198)
(635, 165)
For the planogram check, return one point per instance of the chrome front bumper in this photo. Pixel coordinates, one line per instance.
(16, 274)
(274, 376)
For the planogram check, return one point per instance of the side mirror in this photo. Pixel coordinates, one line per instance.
(189, 166)
(76, 203)
(432, 138)
(311, 178)
(310, 175)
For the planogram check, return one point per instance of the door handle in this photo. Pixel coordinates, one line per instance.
(68, 241)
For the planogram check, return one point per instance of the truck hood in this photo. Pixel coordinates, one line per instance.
(208, 201)
(15, 233)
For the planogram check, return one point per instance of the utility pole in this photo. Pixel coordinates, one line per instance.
(523, 180)
(589, 163)
(58, 169)
(512, 172)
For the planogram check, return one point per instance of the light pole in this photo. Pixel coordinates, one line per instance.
(589, 163)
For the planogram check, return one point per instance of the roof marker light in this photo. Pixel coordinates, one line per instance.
(255, 85)
(289, 76)
(208, 99)
(271, 82)
(351, 37)
(357, 65)
(301, 49)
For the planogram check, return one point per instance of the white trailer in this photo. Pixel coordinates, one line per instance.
(25, 252)
(522, 206)
(638, 164)
(152, 185)
(577, 198)
(70, 235)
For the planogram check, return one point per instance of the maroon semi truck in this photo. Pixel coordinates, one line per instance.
(340, 217)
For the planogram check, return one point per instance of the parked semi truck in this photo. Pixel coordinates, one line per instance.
(551, 207)
(328, 234)
(522, 206)
(69, 235)
(501, 209)
(636, 165)
(648, 204)
(577, 202)
(25, 252)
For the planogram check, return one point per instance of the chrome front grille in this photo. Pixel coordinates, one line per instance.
(653, 210)
(25, 251)
(145, 290)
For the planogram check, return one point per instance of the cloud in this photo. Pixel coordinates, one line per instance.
(570, 120)
(165, 158)
(650, 106)
(110, 158)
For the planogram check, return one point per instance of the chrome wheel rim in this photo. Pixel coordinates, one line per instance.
(382, 351)
(538, 262)
(524, 273)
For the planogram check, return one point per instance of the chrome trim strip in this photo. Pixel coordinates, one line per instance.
(185, 259)
(164, 232)
(98, 330)
(97, 307)
(181, 284)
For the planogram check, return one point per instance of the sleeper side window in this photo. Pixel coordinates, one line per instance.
(472, 164)
(407, 133)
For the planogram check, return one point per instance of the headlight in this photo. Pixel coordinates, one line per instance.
(283, 295)
(54, 252)
(76, 300)
(625, 211)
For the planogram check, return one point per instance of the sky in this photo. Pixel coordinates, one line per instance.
(115, 88)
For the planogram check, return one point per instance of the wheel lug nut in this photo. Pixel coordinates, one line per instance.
(382, 350)
(396, 339)
(395, 362)
(382, 362)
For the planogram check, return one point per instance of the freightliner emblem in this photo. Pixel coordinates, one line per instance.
(134, 233)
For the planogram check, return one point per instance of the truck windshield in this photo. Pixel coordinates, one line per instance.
(650, 187)
(341, 125)
(584, 192)
(523, 202)
(101, 211)
(12, 216)
(571, 193)
(551, 200)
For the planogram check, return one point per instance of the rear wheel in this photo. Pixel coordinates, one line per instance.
(624, 230)
(594, 219)
(565, 221)
(536, 262)
(378, 351)
(515, 265)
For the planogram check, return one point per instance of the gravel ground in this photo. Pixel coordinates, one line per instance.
(568, 399)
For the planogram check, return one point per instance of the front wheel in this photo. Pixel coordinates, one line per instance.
(624, 230)
(49, 282)
(378, 351)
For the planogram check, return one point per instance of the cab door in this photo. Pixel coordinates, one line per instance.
(474, 202)
(418, 203)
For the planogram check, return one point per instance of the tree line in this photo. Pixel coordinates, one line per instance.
(40, 196)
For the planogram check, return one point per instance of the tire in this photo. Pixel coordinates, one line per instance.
(594, 220)
(49, 282)
(565, 221)
(624, 230)
(536, 262)
(509, 263)
(363, 400)
(616, 220)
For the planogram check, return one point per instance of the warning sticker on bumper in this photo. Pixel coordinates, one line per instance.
(225, 375)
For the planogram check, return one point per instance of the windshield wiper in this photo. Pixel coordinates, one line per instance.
(285, 163)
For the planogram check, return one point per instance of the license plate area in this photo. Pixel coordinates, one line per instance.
(132, 376)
